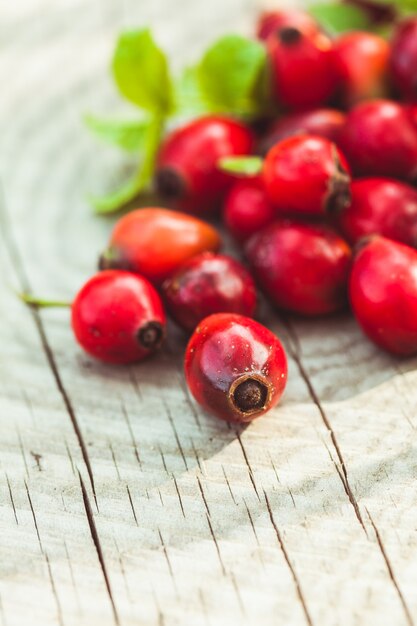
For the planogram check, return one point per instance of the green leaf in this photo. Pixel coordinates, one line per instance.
(188, 97)
(126, 134)
(244, 166)
(141, 72)
(338, 18)
(117, 199)
(229, 73)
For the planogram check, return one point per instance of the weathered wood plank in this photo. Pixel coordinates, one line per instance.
(120, 501)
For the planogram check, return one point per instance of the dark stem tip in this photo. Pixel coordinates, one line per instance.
(289, 35)
(169, 183)
(150, 335)
(340, 195)
(110, 259)
(250, 395)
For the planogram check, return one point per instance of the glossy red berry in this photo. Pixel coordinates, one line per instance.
(271, 21)
(383, 294)
(247, 208)
(155, 242)
(325, 123)
(301, 267)
(381, 206)
(187, 172)
(207, 284)
(235, 367)
(361, 61)
(302, 68)
(379, 139)
(403, 60)
(118, 317)
(307, 175)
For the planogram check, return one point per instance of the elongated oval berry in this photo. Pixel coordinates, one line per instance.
(235, 367)
(247, 208)
(118, 317)
(206, 284)
(187, 172)
(361, 62)
(403, 60)
(302, 68)
(271, 21)
(381, 206)
(383, 294)
(301, 267)
(307, 175)
(154, 242)
(379, 139)
(325, 123)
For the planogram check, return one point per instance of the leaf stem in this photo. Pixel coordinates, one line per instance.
(40, 303)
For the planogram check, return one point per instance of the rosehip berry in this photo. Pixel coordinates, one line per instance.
(247, 209)
(302, 68)
(271, 21)
(383, 294)
(383, 207)
(325, 123)
(301, 267)
(411, 111)
(155, 242)
(187, 169)
(235, 367)
(379, 139)
(306, 174)
(118, 317)
(361, 61)
(206, 284)
(403, 60)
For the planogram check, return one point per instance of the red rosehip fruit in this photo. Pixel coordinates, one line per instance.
(247, 208)
(302, 68)
(379, 139)
(271, 21)
(383, 294)
(403, 59)
(118, 317)
(187, 172)
(308, 175)
(207, 284)
(235, 367)
(325, 123)
(301, 267)
(381, 206)
(154, 242)
(361, 61)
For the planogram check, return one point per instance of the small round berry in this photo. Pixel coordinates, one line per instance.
(307, 175)
(379, 139)
(383, 294)
(380, 206)
(154, 242)
(301, 267)
(118, 317)
(247, 208)
(403, 60)
(235, 367)
(187, 173)
(207, 284)
(325, 123)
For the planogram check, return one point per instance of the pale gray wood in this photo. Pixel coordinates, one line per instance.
(121, 502)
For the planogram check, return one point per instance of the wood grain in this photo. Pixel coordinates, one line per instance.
(120, 501)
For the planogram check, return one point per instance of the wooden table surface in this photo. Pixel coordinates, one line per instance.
(121, 502)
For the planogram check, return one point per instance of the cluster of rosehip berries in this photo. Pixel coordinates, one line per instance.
(331, 178)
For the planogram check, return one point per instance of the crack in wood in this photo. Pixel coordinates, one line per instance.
(96, 540)
(34, 516)
(390, 570)
(248, 465)
(203, 495)
(213, 536)
(288, 561)
(132, 505)
(171, 571)
(132, 437)
(11, 498)
(54, 591)
(228, 485)
(179, 495)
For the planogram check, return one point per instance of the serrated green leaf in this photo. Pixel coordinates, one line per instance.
(188, 97)
(126, 134)
(338, 18)
(243, 166)
(141, 72)
(229, 73)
